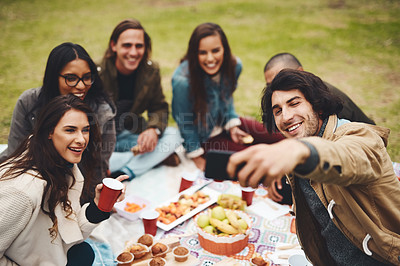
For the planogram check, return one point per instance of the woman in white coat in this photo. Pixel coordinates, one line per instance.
(41, 219)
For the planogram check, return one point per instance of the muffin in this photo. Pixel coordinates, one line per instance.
(159, 250)
(138, 250)
(157, 261)
(180, 253)
(146, 239)
(125, 258)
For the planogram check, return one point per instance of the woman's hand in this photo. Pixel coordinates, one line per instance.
(147, 140)
(99, 187)
(237, 134)
(200, 162)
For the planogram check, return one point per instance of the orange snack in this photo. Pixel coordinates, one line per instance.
(133, 207)
(185, 204)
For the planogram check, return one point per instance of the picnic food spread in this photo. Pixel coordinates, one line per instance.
(184, 205)
(220, 227)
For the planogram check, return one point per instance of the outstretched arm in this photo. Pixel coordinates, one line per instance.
(264, 163)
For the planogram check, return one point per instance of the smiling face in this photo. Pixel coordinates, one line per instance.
(211, 54)
(294, 115)
(71, 135)
(129, 49)
(80, 68)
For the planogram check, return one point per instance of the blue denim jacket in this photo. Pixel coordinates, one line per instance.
(220, 107)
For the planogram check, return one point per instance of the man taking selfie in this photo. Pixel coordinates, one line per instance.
(344, 188)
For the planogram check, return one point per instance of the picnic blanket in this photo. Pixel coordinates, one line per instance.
(161, 184)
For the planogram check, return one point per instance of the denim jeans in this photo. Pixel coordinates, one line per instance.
(124, 160)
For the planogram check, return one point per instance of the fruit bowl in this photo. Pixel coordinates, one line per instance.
(224, 244)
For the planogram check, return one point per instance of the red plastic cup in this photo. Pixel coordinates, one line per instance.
(149, 218)
(187, 180)
(247, 194)
(112, 188)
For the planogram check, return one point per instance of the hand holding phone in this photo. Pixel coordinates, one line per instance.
(216, 163)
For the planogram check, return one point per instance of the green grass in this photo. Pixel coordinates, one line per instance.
(353, 44)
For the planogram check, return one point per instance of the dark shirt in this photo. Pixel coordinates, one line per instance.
(350, 110)
(126, 94)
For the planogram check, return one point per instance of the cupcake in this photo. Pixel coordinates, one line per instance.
(138, 250)
(157, 261)
(180, 253)
(159, 250)
(146, 239)
(125, 258)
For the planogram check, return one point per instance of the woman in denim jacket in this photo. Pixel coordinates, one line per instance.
(202, 102)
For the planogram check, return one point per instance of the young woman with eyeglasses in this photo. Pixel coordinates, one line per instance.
(41, 220)
(69, 70)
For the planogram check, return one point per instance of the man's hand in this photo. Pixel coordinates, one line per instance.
(273, 193)
(265, 163)
(237, 134)
(147, 140)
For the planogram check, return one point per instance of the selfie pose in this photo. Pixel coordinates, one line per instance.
(281, 191)
(202, 102)
(41, 219)
(342, 179)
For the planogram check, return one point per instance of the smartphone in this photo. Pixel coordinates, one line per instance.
(216, 163)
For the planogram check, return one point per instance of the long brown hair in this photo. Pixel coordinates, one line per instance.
(197, 74)
(38, 153)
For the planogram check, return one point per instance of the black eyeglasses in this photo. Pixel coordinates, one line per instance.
(72, 80)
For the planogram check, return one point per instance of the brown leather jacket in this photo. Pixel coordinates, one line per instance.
(356, 182)
(149, 98)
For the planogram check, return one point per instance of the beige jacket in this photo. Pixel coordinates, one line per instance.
(24, 228)
(356, 182)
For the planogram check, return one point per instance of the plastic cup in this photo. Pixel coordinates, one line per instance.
(187, 180)
(112, 188)
(149, 218)
(298, 260)
(247, 194)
